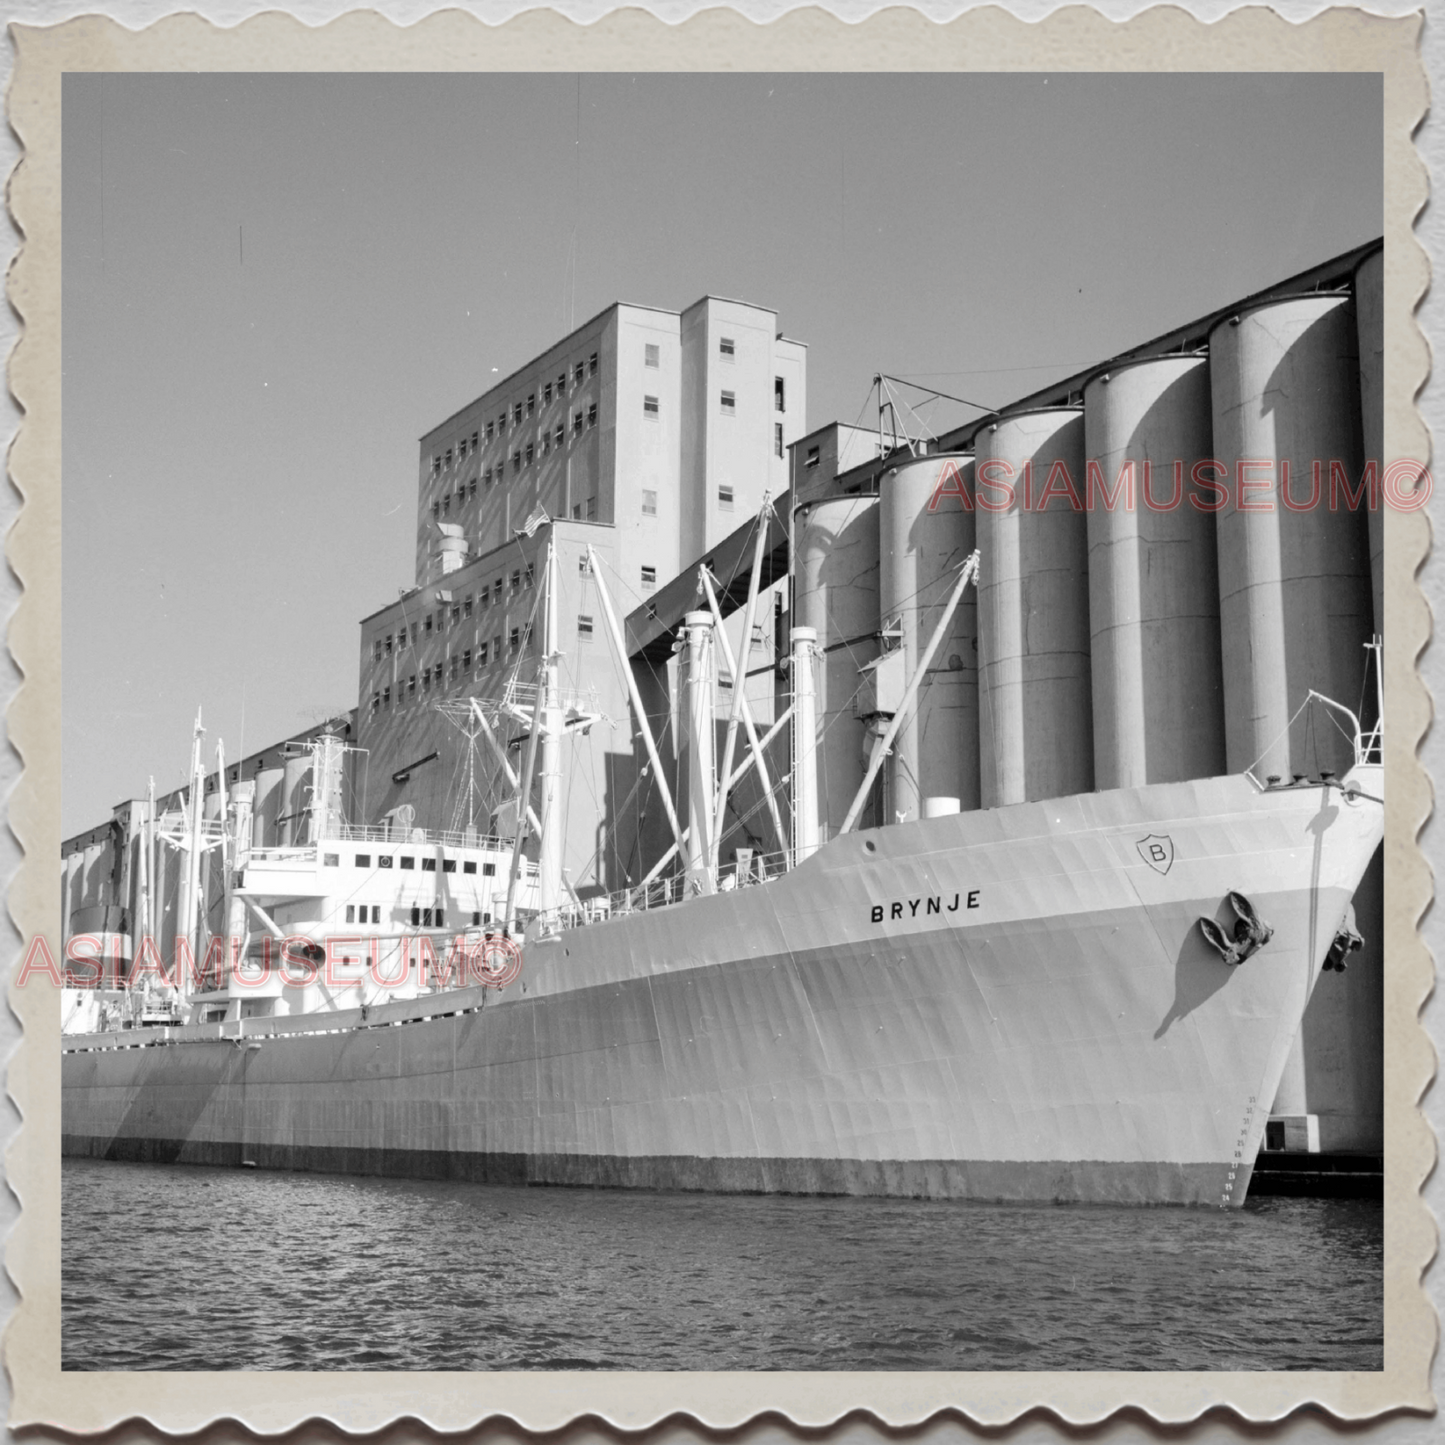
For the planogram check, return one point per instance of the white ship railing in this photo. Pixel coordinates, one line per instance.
(665, 892)
(379, 833)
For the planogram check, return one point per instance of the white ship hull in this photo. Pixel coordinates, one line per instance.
(1015, 1004)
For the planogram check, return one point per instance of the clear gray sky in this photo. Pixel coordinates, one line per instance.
(273, 285)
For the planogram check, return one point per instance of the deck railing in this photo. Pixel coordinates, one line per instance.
(664, 892)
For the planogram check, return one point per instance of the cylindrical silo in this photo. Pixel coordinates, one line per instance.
(1370, 323)
(926, 532)
(836, 593)
(1158, 685)
(93, 869)
(1294, 575)
(267, 806)
(1036, 734)
(72, 885)
(295, 798)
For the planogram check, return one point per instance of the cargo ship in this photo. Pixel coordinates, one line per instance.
(1085, 999)
(1002, 865)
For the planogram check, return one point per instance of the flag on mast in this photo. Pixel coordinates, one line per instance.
(539, 518)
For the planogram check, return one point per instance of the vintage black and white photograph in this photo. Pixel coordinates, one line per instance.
(723, 722)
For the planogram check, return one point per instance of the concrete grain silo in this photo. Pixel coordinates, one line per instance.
(1158, 689)
(295, 798)
(267, 806)
(836, 593)
(1294, 576)
(1370, 321)
(1036, 733)
(925, 535)
(72, 883)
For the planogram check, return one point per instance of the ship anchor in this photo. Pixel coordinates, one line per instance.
(1251, 932)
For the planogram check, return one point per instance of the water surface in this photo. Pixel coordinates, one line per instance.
(173, 1267)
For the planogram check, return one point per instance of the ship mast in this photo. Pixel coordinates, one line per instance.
(701, 782)
(190, 894)
(549, 720)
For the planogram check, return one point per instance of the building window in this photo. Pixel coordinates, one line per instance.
(577, 374)
(592, 414)
(547, 394)
(490, 432)
(408, 862)
(514, 640)
(376, 650)
(729, 403)
(577, 424)
(472, 487)
(467, 605)
(428, 865)
(497, 649)
(436, 510)
(529, 578)
(576, 511)
(449, 456)
(812, 460)
(777, 438)
(529, 454)
(449, 865)
(584, 627)
(474, 441)
(649, 503)
(649, 406)
(651, 354)
(592, 364)
(517, 414)
(502, 422)
(481, 654)
(375, 703)
(386, 696)
(446, 504)
(489, 870)
(779, 395)
(561, 383)
(531, 402)
(591, 509)
(363, 860)
(546, 442)
(725, 347)
(456, 613)
(486, 476)
(466, 659)
(516, 582)
(411, 685)
(649, 578)
(427, 624)
(452, 669)
(517, 461)
(388, 644)
(351, 913)
(416, 918)
(436, 466)
(725, 496)
(561, 432)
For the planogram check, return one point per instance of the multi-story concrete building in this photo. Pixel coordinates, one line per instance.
(651, 434)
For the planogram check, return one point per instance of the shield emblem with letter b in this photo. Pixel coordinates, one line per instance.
(1157, 852)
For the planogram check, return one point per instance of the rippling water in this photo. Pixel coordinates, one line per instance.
(183, 1268)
